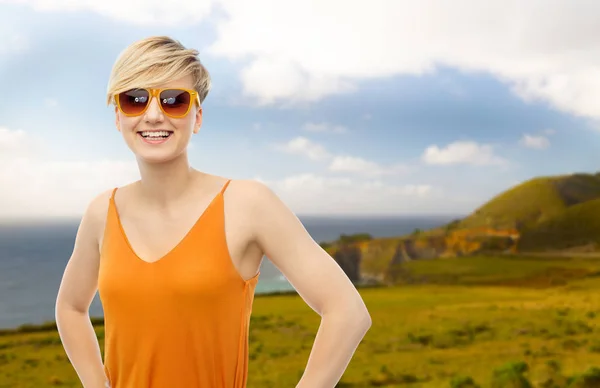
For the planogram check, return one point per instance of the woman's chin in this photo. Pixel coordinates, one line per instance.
(157, 156)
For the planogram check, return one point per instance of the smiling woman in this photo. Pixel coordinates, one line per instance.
(175, 256)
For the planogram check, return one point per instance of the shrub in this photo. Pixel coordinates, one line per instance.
(463, 382)
(588, 379)
(511, 375)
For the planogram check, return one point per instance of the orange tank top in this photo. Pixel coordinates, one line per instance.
(179, 322)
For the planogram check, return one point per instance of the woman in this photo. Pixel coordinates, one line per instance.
(175, 256)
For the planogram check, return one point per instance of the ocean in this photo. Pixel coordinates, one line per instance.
(33, 257)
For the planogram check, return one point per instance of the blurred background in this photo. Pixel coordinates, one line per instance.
(444, 153)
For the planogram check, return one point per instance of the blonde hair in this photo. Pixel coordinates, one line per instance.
(153, 61)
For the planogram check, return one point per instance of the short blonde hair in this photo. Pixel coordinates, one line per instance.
(153, 61)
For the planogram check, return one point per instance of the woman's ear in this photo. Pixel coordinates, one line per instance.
(117, 122)
(198, 122)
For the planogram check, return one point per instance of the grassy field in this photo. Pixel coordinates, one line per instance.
(500, 321)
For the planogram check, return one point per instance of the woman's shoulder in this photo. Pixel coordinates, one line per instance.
(99, 203)
(253, 200)
(249, 190)
(98, 206)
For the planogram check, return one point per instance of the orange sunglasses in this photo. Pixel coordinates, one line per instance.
(174, 102)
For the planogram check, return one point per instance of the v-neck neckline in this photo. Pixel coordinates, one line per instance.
(178, 244)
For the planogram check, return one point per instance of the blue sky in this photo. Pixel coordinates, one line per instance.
(336, 121)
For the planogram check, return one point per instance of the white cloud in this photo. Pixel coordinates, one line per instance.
(320, 48)
(338, 163)
(42, 187)
(312, 182)
(305, 147)
(462, 152)
(314, 194)
(364, 167)
(16, 144)
(550, 58)
(324, 127)
(536, 142)
(276, 79)
(59, 188)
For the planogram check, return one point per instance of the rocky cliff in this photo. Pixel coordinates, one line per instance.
(555, 213)
(369, 259)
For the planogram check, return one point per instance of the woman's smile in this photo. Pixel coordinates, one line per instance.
(155, 136)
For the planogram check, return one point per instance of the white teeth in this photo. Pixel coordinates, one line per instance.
(155, 134)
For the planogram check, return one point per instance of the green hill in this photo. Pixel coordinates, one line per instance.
(577, 226)
(548, 216)
(533, 202)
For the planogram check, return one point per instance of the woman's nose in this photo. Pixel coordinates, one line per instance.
(154, 113)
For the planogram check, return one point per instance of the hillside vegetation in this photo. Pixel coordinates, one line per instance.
(549, 213)
(481, 321)
(546, 215)
(577, 226)
(534, 201)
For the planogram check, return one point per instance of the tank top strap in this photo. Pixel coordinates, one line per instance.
(225, 186)
(112, 195)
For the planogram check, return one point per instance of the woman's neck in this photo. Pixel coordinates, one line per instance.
(162, 184)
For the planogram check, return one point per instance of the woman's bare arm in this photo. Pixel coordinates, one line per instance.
(77, 290)
(319, 280)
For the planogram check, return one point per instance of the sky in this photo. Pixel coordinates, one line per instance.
(341, 107)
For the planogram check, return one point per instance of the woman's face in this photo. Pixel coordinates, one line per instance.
(134, 129)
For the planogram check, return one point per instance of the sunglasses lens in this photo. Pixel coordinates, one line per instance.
(175, 102)
(134, 101)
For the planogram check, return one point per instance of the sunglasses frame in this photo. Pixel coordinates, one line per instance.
(152, 93)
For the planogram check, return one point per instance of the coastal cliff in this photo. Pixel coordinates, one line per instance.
(376, 260)
(544, 215)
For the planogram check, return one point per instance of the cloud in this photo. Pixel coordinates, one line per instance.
(61, 188)
(305, 147)
(536, 142)
(315, 194)
(42, 187)
(364, 167)
(462, 152)
(338, 163)
(273, 80)
(324, 127)
(16, 144)
(550, 58)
